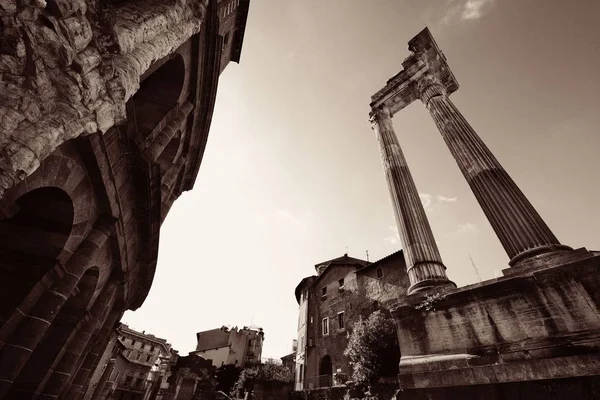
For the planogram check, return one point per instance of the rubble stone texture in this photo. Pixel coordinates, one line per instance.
(105, 107)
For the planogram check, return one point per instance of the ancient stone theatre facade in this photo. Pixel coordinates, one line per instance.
(105, 108)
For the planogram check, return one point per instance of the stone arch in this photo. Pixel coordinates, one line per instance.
(50, 349)
(31, 241)
(64, 170)
(158, 95)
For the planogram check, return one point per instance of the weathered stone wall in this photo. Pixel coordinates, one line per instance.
(68, 67)
(537, 325)
(557, 389)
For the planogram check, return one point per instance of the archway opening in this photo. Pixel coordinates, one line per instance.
(158, 95)
(170, 154)
(30, 243)
(58, 335)
(325, 372)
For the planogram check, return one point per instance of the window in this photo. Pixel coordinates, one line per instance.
(324, 293)
(341, 282)
(148, 357)
(152, 349)
(132, 342)
(325, 326)
(379, 273)
(226, 37)
(341, 320)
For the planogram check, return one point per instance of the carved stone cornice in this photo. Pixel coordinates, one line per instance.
(426, 60)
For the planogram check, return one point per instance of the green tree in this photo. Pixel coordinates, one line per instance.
(373, 348)
(268, 371)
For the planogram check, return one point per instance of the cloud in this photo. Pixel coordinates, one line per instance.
(445, 199)
(465, 10)
(432, 203)
(474, 9)
(466, 228)
(395, 237)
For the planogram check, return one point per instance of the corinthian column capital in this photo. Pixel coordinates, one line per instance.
(379, 115)
(429, 86)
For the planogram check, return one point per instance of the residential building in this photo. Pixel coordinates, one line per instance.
(140, 361)
(225, 346)
(330, 302)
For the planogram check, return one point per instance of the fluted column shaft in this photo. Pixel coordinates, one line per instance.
(517, 224)
(423, 260)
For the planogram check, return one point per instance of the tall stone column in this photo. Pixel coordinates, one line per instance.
(424, 263)
(517, 224)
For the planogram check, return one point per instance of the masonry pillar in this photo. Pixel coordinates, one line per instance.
(23, 341)
(66, 366)
(82, 378)
(424, 263)
(102, 382)
(517, 224)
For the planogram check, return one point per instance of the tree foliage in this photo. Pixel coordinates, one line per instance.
(373, 348)
(268, 371)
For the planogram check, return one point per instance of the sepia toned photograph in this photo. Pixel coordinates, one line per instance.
(299, 200)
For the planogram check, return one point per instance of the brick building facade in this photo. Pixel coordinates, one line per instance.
(105, 108)
(330, 303)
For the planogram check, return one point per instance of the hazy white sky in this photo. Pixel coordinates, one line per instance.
(292, 175)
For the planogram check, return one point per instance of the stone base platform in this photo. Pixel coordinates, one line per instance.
(531, 331)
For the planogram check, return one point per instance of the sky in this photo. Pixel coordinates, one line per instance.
(292, 175)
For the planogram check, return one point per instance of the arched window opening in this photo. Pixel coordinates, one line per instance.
(58, 335)
(30, 243)
(158, 95)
